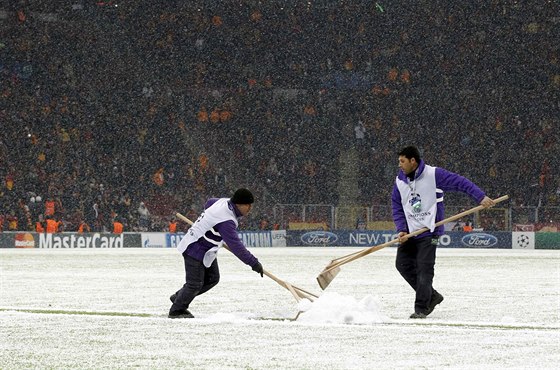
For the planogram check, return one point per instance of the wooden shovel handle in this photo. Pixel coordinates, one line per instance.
(364, 252)
(298, 293)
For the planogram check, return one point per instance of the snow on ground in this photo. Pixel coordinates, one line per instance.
(68, 309)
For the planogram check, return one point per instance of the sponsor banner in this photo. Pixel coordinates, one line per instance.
(24, 240)
(523, 227)
(94, 240)
(523, 240)
(370, 238)
(172, 240)
(548, 227)
(68, 240)
(251, 239)
(311, 238)
(7, 240)
(319, 238)
(154, 240)
(256, 238)
(546, 240)
(278, 238)
(476, 239)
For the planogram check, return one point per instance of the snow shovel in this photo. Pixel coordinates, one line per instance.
(298, 293)
(333, 268)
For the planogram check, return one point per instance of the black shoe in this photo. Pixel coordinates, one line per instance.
(418, 315)
(180, 315)
(173, 297)
(436, 299)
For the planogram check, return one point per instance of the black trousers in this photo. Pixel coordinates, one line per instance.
(415, 262)
(198, 280)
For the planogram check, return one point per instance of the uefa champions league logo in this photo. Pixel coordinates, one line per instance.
(415, 202)
(523, 241)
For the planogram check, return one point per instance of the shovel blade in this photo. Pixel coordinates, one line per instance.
(325, 277)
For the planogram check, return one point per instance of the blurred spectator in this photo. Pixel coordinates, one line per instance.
(83, 227)
(93, 217)
(220, 182)
(118, 226)
(361, 225)
(360, 132)
(40, 225)
(143, 217)
(12, 220)
(51, 224)
(172, 227)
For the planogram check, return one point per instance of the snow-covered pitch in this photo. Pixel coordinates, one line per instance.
(107, 308)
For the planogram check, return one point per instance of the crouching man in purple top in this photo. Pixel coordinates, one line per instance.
(214, 227)
(417, 203)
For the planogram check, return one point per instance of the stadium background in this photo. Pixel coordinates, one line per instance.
(114, 103)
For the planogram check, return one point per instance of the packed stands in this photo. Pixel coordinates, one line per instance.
(105, 105)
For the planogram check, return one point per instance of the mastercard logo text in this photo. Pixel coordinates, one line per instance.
(24, 241)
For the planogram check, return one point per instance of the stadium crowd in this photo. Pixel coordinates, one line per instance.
(134, 112)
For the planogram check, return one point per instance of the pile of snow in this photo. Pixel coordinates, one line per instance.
(339, 309)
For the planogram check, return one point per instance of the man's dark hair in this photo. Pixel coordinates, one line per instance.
(410, 152)
(242, 196)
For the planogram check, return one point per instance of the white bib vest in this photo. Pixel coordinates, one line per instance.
(213, 215)
(419, 200)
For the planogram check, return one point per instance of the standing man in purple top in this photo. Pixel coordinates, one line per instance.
(214, 227)
(417, 203)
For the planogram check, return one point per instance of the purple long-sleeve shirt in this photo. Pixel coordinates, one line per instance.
(228, 233)
(446, 181)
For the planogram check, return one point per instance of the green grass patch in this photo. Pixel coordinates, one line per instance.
(76, 312)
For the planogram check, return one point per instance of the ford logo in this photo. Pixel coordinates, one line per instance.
(319, 238)
(479, 240)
